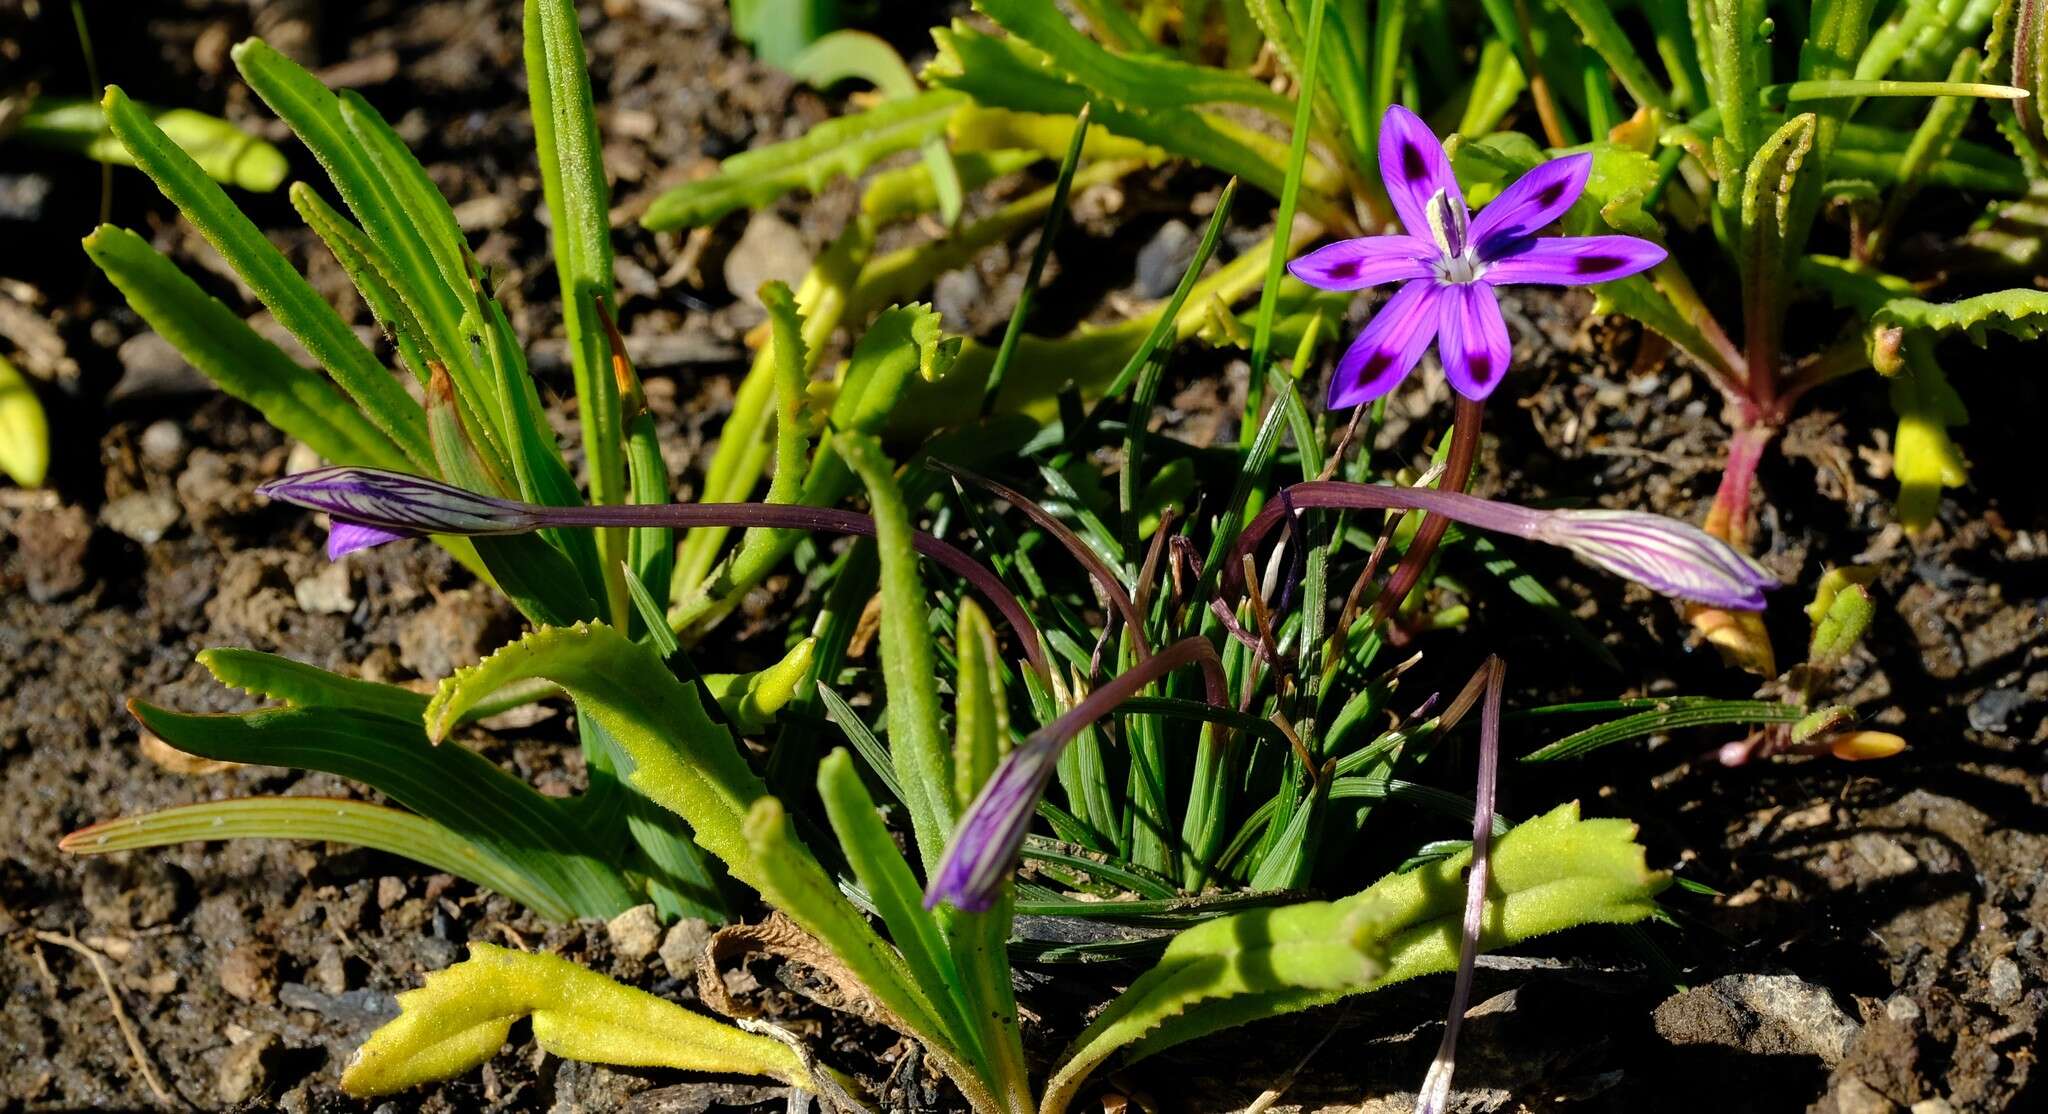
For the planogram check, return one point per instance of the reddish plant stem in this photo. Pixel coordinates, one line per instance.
(1457, 473)
(1729, 518)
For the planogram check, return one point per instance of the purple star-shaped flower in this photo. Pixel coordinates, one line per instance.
(1450, 261)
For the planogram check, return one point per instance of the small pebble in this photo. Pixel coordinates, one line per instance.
(1993, 711)
(2005, 983)
(151, 368)
(247, 971)
(457, 630)
(1853, 1096)
(1902, 1009)
(635, 933)
(330, 971)
(53, 544)
(163, 445)
(247, 1067)
(957, 296)
(22, 196)
(770, 248)
(1164, 258)
(329, 591)
(302, 458)
(683, 946)
(141, 516)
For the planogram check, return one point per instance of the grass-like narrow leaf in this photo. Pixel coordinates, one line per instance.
(1055, 216)
(328, 819)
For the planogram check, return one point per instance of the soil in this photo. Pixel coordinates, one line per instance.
(1877, 942)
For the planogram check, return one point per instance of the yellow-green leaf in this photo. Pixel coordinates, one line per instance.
(24, 434)
(460, 1018)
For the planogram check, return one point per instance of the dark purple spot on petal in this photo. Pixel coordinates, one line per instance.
(1594, 264)
(1345, 270)
(1504, 242)
(1376, 363)
(1412, 166)
(1481, 366)
(1550, 193)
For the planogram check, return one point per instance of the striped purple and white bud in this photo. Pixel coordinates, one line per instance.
(984, 846)
(1662, 554)
(982, 851)
(370, 506)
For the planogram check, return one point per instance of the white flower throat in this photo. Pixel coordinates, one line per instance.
(1449, 226)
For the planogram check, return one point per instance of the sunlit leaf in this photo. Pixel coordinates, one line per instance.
(462, 1015)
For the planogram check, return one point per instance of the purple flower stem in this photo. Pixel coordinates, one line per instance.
(1457, 471)
(792, 516)
(1485, 514)
(1105, 578)
(1436, 1086)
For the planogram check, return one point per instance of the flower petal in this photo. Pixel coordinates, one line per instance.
(1473, 341)
(1413, 165)
(1366, 261)
(1388, 348)
(344, 538)
(1532, 202)
(1575, 260)
(1662, 554)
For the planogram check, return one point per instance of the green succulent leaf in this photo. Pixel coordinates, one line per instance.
(750, 700)
(1137, 81)
(2020, 312)
(744, 444)
(225, 152)
(1924, 458)
(792, 882)
(316, 115)
(681, 759)
(1344, 105)
(24, 433)
(981, 713)
(1309, 946)
(1603, 33)
(840, 148)
(761, 549)
(919, 752)
(462, 1015)
(678, 758)
(1551, 873)
(880, 869)
(858, 54)
(1772, 230)
(280, 288)
(240, 361)
(307, 686)
(1009, 73)
(573, 183)
(367, 265)
(779, 30)
(1841, 612)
